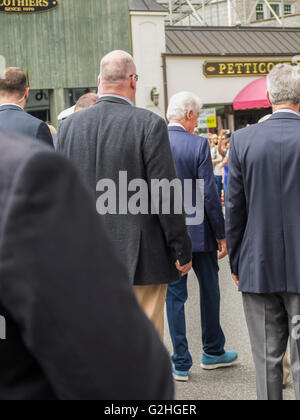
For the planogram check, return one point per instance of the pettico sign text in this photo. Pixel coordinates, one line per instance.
(27, 6)
(237, 68)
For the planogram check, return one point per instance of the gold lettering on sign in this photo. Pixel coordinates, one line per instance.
(11, 6)
(239, 69)
(222, 67)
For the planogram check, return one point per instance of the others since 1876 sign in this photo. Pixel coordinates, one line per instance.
(27, 6)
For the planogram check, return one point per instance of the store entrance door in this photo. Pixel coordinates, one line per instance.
(247, 117)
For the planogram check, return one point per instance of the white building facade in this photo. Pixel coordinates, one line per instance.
(216, 63)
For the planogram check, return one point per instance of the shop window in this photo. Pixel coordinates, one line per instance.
(260, 11)
(38, 104)
(276, 7)
(75, 94)
(288, 9)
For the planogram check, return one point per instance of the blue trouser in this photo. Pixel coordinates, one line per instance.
(206, 268)
(219, 180)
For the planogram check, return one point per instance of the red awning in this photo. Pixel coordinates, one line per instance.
(253, 96)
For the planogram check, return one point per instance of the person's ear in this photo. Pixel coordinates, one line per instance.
(133, 83)
(26, 96)
(268, 96)
(189, 114)
(99, 81)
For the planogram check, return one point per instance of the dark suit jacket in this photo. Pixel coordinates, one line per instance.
(15, 119)
(74, 327)
(193, 161)
(263, 205)
(113, 136)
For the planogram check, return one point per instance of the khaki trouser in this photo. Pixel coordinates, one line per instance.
(286, 368)
(152, 300)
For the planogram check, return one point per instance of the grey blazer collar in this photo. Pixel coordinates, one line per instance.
(113, 99)
(11, 107)
(284, 116)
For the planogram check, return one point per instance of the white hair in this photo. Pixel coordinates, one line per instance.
(181, 104)
(284, 85)
(116, 66)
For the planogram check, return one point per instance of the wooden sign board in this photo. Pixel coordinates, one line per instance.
(239, 68)
(27, 6)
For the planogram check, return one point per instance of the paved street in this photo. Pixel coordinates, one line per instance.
(236, 383)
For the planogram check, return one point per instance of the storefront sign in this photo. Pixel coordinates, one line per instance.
(27, 6)
(239, 69)
(208, 118)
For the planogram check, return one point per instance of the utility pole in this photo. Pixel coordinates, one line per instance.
(282, 13)
(171, 11)
(229, 9)
(245, 12)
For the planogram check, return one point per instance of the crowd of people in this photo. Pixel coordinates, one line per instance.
(83, 288)
(220, 146)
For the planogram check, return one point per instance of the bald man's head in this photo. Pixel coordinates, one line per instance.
(117, 71)
(116, 67)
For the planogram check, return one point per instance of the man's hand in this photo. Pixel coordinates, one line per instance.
(236, 279)
(222, 248)
(185, 269)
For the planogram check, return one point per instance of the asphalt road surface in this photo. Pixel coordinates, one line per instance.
(236, 383)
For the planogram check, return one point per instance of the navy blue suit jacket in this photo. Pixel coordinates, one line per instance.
(193, 161)
(15, 119)
(263, 205)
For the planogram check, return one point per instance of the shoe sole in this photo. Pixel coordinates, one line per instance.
(180, 378)
(218, 366)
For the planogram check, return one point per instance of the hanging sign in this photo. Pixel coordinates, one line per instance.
(239, 68)
(208, 118)
(27, 6)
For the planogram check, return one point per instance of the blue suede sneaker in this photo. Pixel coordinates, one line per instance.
(210, 362)
(179, 375)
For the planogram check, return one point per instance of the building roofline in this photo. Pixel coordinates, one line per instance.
(229, 55)
(232, 28)
(146, 6)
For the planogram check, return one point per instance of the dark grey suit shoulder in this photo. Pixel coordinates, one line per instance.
(113, 137)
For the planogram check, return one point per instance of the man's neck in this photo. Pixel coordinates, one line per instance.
(123, 94)
(11, 101)
(179, 123)
(286, 106)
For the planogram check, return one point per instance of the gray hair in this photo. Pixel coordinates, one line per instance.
(116, 67)
(181, 104)
(284, 85)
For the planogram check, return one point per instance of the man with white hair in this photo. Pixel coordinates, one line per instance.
(263, 231)
(114, 140)
(193, 162)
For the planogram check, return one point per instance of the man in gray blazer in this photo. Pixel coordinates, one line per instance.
(263, 231)
(115, 143)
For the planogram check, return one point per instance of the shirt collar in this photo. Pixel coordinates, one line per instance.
(290, 111)
(117, 96)
(11, 105)
(175, 124)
